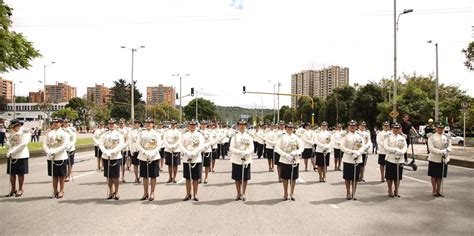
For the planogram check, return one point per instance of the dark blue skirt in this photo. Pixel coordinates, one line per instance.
(269, 153)
(153, 169)
(435, 169)
(71, 155)
(285, 171)
(196, 171)
(237, 172)
(172, 156)
(348, 171)
(307, 153)
(320, 159)
(19, 166)
(59, 168)
(135, 160)
(206, 158)
(338, 154)
(113, 168)
(382, 159)
(391, 171)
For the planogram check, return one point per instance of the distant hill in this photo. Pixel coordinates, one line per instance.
(230, 114)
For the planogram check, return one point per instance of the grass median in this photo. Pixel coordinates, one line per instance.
(39, 145)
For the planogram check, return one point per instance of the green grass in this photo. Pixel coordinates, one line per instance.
(39, 145)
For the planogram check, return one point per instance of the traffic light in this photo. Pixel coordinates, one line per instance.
(192, 92)
(243, 89)
(177, 97)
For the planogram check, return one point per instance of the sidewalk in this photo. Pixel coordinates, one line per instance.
(460, 156)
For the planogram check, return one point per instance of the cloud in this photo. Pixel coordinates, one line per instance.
(237, 4)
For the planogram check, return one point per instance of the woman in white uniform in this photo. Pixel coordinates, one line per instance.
(18, 154)
(395, 146)
(439, 145)
(149, 144)
(55, 146)
(111, 143)
(290, 147)
(241, 148)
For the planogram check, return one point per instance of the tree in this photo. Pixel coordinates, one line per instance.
(164, 111)
(16, 51)
(100, 114)
(68, 113)
(364, 107)
(3, 103)
(338, 105)
(21, 99)
(80, 106)
(206, 110)
(120, 102)
(287, 114)
(469, 53)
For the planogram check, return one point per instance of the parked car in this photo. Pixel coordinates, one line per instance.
(459, 140)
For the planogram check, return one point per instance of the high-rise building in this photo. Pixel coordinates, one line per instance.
(318, 83)
(160, 94)
(36, 97)
(6, 89)
(99, 95)
(60, 92)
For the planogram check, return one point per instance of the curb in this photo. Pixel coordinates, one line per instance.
(453, 161)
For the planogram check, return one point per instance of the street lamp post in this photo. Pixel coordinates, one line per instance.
(278, 103)
(180, 96)
(14, 99)
(44, 91)
(395, 29)
(132, 92)
(437, 84)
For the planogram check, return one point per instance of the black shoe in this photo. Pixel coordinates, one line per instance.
(11, 194)
(110, 196)
(187, 198)
(243, 198)
(144, 198)
(293, 199)
(151, 198)
(116, 197)
(196, 199)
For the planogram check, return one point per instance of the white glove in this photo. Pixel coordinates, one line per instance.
(294, 153)
(9, 154)
(355, 156)
(189, 153)
(445, 152)
(289, 156)
(356, 153)
(399, 153)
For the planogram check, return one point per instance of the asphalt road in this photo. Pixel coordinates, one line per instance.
(320, 208)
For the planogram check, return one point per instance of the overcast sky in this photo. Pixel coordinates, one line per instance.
(225, 44)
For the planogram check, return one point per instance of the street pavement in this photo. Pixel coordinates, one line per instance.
(320, 208)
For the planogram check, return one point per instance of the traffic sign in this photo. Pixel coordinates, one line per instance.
(464, 105)
(393, 114)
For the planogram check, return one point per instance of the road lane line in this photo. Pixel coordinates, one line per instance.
(85, 174)
(300, 180)
(334, 206)
(419, 180)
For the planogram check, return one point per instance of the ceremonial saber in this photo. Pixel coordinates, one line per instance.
(108, 177)
(190, 176)
(442, 170)
(242, 183)
(324, 169)
(70, 167)
(172, 165)
(9, 181)
(52, 174)
(291, 179)
(354, 180)
(398, 178)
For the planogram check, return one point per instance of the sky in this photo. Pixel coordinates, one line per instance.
(226, 44)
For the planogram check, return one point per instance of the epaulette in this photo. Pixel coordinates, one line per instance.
(448, 136)
(429, 135)
(387, 134)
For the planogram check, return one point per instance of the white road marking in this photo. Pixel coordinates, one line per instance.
(419, 180)
(85, 174)
(181, 181)
(334, 206)
(300, 180)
